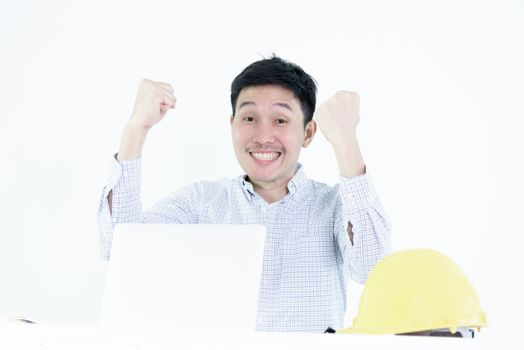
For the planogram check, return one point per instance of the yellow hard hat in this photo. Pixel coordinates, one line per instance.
(416, 290)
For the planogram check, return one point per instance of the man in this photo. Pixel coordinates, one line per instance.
(317, 235)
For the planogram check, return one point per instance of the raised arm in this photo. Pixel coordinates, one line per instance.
(152, 102)
(362, 231)
(338, 119)
(120, 200)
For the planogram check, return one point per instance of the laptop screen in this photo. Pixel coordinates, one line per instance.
(184, 276)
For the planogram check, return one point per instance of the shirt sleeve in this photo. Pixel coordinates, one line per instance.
(124, 182)
(361, 207)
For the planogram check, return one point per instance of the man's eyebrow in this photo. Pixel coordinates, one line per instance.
(277, 104)
(246, 103)
(283, 105)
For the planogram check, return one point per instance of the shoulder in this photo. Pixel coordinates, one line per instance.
(321, 191)
(209, 190)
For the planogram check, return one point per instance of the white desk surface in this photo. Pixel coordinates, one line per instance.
(18, 335)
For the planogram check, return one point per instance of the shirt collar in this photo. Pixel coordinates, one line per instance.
(296, 182)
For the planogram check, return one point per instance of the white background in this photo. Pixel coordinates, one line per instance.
(441, 87)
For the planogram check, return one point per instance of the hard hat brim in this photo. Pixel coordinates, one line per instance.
(347, 331)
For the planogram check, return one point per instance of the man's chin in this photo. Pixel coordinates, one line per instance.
(257, 178)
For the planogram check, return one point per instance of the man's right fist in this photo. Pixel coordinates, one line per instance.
(152, 102)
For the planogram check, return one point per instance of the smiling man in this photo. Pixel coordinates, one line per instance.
(268, 132)
(317, 235)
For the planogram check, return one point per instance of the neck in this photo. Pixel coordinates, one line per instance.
(272, 191)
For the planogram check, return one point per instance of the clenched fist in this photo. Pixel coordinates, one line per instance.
(152, 102)
(338, 117)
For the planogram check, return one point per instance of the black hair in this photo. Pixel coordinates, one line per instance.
(276, 71)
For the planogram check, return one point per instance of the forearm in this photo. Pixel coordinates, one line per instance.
(349, 157)
(372, 241)
(120, 202)
(132, 142)
(126, 204)
(370, 225)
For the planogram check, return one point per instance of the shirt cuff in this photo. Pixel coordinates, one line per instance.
(357, 192)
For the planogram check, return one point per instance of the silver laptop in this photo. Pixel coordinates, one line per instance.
(184, 276)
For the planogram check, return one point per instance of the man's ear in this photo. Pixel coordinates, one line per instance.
(309, 133)
(231, 119)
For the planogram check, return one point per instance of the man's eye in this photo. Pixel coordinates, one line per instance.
(281, 121)
(249, 119)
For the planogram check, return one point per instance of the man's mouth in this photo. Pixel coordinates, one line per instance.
(265, 156)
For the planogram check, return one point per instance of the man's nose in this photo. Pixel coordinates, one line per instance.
(263, 134)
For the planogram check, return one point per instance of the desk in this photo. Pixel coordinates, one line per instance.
(17, 335)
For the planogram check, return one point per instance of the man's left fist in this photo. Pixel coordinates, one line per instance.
(338, 117)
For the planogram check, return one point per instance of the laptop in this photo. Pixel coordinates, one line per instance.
(184, 276)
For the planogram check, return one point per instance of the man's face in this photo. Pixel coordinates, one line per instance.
(268, 133)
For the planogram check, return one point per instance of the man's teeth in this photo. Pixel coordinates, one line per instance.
(265, 155)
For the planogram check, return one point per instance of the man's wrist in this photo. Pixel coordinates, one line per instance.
(349, 158)
(133, 138)
(136, 130)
